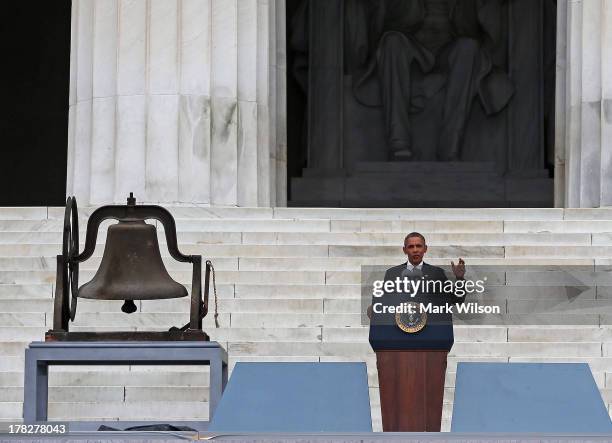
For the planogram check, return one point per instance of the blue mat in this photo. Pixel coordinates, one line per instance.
(295, 397)
(528, 397)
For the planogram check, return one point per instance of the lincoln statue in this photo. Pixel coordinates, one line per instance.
(402, 52)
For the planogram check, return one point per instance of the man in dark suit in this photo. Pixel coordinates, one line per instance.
(415, 248)
(411, 355)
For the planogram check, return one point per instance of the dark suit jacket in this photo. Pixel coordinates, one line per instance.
(433, 273)
(437, 335)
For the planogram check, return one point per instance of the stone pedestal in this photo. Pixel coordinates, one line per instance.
(176, 101)
(422, 184)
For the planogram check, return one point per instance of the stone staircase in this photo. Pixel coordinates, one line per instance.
(288, 283)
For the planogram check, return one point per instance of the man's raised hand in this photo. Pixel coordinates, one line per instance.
(458, 270)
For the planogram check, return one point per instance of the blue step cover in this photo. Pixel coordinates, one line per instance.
(528, 397)
(295, 397)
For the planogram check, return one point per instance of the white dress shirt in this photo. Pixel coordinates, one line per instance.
(411, 267)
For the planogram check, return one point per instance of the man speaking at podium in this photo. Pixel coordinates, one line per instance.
(411, 331)
(415, 248)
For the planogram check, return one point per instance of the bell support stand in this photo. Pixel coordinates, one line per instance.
(67, 287)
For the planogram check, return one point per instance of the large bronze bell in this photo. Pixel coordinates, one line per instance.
(131, 269)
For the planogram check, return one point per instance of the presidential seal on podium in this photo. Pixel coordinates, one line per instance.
(413, 320)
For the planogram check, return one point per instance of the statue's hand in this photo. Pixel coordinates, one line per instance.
(458, 270)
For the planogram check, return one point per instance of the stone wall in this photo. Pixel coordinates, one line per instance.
(184, 101)
(583, 153)
(177, 101)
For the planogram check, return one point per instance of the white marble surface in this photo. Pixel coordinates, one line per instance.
(162, 161)
(132, 51)
(170, 99)
(195, 47)
(81, 161)
(584, 80)
(606, 108)
(194, 148)
(224, 155)
(247, 54)
(590, 155)
(247, 192)
(105, 49)
(233, 53)
(130, 154)
(162, 66)
(103, 150)
(560, 104)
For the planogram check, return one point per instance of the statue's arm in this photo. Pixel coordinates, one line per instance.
(363, 21)
(490, 16)
(481, 19)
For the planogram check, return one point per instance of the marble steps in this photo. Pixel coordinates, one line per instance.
(239, 333)
(231, 213)
(434, 240)
(546, 352)
(43, 293)
(114, 410)
(191, 214)
(88, 394)
(542, 251)
(23, 292)
(46, 239)
(496, 276)
(26, 277)
(239, 277)
(229, 226)
(113, 377)
(272, 250)
(462, 351)
(352, 342)
(472, 349)
(17, 292)
(488, 222)
(289, 291)
(32, 327)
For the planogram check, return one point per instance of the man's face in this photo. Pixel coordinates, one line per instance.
(415, 248)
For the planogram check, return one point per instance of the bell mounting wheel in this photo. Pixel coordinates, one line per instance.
(70, 250)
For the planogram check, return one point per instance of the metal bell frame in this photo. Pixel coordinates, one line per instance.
(67, 277)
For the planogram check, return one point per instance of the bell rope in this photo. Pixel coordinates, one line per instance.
(212, 268)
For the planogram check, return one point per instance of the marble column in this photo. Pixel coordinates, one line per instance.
(583, 152)
(177, 101)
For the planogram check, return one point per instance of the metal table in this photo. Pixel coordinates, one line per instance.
(40, 355)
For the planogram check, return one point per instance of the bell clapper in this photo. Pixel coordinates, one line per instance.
(129, 307)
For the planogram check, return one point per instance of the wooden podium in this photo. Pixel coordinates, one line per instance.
(411, 389)
(411, 373)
